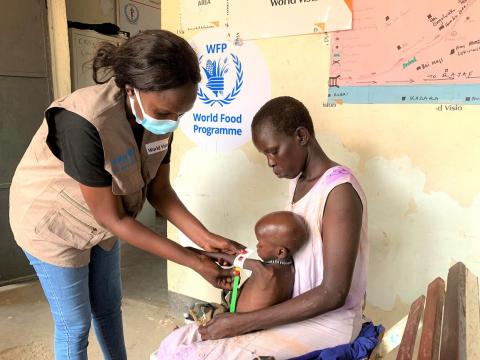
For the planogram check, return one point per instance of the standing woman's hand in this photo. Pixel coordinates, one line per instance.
(217, 243)
(213, 273)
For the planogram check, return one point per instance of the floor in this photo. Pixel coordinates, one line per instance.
(150, 312)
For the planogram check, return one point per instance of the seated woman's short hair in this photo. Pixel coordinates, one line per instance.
(286, 114)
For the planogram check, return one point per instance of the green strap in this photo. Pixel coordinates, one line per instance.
(233, 299)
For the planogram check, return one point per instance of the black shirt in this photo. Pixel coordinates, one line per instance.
(76, 142)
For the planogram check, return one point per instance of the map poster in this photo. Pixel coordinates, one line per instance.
(255, 19)
(202, 14)
(408, 51)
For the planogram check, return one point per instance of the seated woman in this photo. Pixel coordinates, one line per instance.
(330, 268)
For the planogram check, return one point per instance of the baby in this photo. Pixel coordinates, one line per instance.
(280, 234)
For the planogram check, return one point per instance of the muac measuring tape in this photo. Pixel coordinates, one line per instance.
(237, 265)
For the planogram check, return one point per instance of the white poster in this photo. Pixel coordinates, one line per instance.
(83, 46)
(254, 19)
(235, 84)
(202, 14)
(136, 15)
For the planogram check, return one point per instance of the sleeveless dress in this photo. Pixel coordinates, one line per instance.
(283, 342)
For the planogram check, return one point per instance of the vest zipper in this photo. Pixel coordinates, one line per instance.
(93, 230)
(76, 204)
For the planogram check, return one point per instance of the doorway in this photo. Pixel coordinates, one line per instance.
(25, 92)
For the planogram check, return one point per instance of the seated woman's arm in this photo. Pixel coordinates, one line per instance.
(341, 226)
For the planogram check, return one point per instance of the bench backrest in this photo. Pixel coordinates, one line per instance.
(450, 326)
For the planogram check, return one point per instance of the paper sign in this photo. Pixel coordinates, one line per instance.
(254, 19)
(202, 14)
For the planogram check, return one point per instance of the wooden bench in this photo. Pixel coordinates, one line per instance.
(449, 322)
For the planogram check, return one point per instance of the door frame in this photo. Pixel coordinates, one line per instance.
(59, 47)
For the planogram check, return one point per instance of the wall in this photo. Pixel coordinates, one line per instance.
(91, 11)
(419, 168)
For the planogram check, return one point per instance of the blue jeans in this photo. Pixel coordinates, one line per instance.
(79, 295)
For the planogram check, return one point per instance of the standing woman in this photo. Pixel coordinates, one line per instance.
(99, 153)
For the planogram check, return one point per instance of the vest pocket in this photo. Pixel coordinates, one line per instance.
(62, 227)
(70, 223)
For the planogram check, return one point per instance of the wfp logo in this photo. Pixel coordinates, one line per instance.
(218, 67)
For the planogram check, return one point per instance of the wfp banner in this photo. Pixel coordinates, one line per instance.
(235, 84)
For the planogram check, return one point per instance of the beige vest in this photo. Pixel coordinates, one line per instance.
(48, 215)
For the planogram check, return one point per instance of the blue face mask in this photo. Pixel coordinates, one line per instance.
(156, 126)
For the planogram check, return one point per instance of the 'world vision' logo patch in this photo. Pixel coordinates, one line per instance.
(157, 146)
(124, 161)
